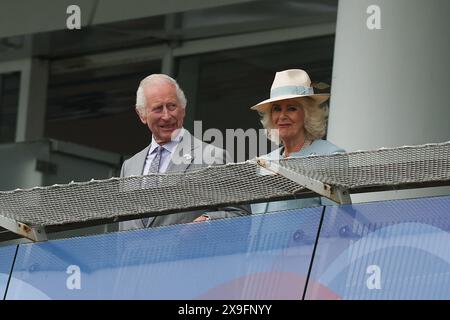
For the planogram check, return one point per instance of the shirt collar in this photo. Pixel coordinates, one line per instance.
(170, 146)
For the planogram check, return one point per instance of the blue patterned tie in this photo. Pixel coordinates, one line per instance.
(154, 168)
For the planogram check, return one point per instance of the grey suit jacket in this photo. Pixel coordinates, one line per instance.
(193, 158)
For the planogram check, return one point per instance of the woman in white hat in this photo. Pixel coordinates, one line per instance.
(294, 118)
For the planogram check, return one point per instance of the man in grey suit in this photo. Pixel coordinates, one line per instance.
(160, 104)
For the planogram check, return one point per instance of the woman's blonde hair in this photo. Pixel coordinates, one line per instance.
(315, 123)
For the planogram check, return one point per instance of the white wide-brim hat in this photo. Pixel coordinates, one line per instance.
(290, 84)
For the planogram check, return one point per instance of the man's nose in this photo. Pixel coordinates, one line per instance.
(165, 113)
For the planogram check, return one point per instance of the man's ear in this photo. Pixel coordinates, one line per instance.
(141, 114)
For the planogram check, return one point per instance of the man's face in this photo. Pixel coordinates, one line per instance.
(163, 113)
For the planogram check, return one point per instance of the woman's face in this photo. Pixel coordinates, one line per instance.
(288, 117)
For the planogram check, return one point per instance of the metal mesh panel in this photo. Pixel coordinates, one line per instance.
(76, 202)
(387, 166)
(220, 185)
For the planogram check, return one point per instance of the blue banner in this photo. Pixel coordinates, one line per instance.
(259, 257)
(384, 250)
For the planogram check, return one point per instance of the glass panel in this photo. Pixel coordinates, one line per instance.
(106, 37)
(253, 257)
(383, 250)
(96, 107)
(9, 101)
(212, 21)
(6, 260)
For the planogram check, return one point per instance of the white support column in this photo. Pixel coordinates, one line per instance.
(32, 100)
(390, 85)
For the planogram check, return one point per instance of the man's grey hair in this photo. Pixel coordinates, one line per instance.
(157, 79)
(315, 120)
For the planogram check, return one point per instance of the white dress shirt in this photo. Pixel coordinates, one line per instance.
(166, 154)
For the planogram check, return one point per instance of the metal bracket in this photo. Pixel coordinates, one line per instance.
(334, 193)
(34, 233)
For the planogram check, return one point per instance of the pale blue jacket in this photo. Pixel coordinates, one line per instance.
(318, 147)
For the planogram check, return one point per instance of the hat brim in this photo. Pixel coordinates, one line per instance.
(263, 106)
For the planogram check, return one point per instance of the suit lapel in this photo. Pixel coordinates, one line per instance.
(137, 167)
(184, 149)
